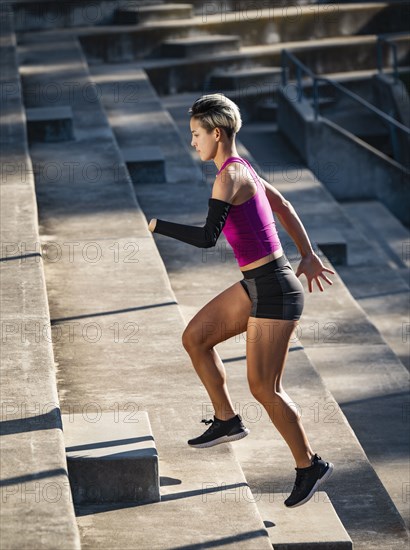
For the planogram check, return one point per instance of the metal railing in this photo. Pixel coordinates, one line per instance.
(389, 40)
(289, 59)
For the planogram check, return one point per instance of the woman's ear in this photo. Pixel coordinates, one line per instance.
(217, 133)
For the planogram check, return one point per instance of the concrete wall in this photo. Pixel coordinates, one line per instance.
(392, 96)
(350, 168)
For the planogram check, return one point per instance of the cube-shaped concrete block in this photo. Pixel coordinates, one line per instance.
(133, 14)
(111, 457)
(253, 78)
(50, 124)
(332, 243)
(195, 46)
(145, 164)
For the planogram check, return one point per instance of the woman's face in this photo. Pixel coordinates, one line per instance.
(204, 142)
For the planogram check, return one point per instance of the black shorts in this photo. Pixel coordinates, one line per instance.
(275, 291)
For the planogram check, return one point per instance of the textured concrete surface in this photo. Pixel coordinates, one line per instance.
(36, 508)
(387, 305)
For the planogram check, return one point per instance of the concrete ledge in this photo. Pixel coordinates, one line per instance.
(130, 15)
(332, 243)
(315, 526)
(37, 510)
(111, 458)
(50, 124)
(256, 77)
(145, 164)
(199, 46)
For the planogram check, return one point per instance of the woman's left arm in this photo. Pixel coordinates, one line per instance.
(310, 265)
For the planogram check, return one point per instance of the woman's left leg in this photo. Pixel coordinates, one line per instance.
(267, 345)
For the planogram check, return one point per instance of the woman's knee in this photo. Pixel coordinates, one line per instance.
(263, 391)
(193, 337)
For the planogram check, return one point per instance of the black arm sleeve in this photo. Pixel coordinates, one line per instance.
(202, 237)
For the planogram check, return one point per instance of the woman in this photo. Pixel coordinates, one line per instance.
(268, 298)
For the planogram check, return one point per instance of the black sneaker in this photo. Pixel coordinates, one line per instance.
(308, 480)
(221, 431)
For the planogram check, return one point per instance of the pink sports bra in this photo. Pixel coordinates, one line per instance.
(250, 227)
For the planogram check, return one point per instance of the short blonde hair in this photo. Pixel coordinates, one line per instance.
(217, 111)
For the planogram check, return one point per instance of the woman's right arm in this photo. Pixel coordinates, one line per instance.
(201, 237)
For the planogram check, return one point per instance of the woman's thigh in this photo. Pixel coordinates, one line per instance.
(223, 317)
(267, 343)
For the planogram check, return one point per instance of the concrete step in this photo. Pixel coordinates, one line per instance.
(257, 23)
(145, 164)
(360, 121)
(126, 94)
(267, 110)
(111, 457)
(241, 79)
(323, 56)
(134, 14)
(198, 46)
(332, 243)
(303, 527)
(36, 504)
(124, 323)
(32, 15)
(50, 124)
(387, 235)
(387, 307)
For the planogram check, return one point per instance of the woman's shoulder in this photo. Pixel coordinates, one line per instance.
(224, 186)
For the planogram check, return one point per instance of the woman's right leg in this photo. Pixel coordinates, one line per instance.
(223, 317)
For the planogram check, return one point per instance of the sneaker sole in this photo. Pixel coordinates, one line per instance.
(223, 439)
(316, 486)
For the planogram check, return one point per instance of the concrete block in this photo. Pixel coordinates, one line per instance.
(145, 164)
(313, 526)
(252, 77)
(134, 15)
(111, 457)
(195, 46)
(332, 243)
(50, 124)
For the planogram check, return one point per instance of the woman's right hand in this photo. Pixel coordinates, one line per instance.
(152, 224)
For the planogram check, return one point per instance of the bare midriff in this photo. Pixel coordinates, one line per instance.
(264, 260)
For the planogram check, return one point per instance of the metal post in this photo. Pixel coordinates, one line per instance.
(299, 81)
(379, 54)
(394, 142)
(284, 67)
(316, 97)
(395, 63)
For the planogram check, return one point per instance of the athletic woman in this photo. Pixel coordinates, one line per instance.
(269, 297)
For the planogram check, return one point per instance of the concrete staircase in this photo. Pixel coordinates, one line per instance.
(174, 255)
(115, 293)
